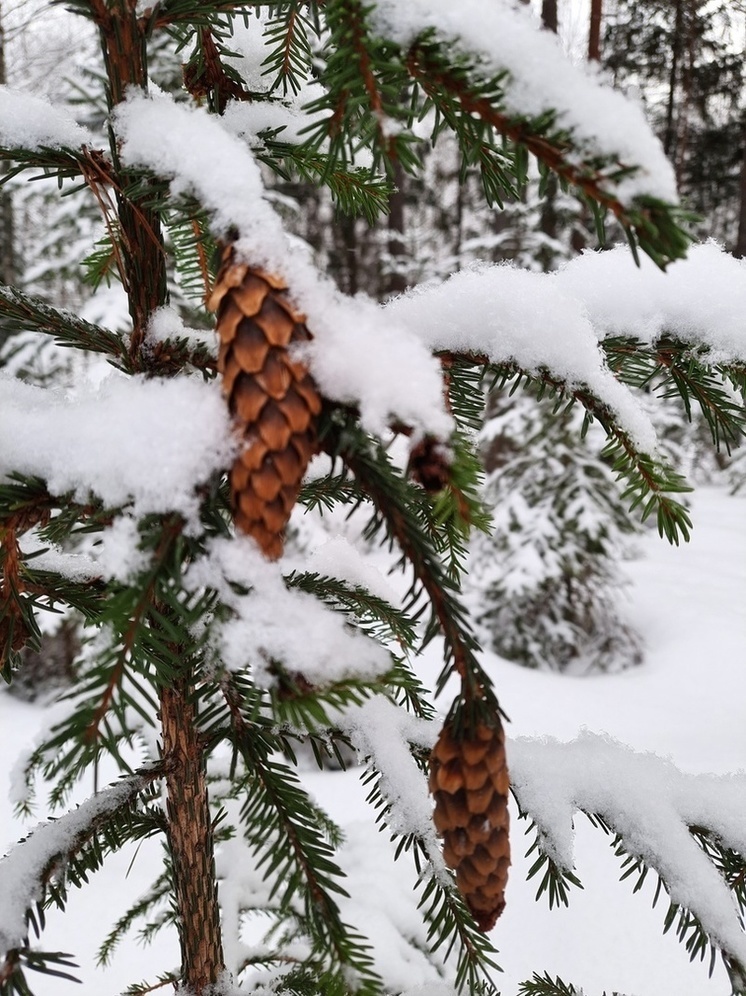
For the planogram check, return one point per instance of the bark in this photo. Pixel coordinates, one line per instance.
(548, 222)
(549, 15)
(740, 249)
(142, 257)
(395, 281)
(191, 841)
(669, 137)
(594, 33)
(8, 264)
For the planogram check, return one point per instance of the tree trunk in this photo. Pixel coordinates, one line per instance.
(669, 137)
(396, 281)
(142, 255)
(548, 222)
(190, 835)
(549, 15)
(8, 267)
(594, 33)
(740, 249)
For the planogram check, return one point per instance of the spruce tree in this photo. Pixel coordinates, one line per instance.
(155, 508)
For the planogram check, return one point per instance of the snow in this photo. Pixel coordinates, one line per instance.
(684, 703)
(700, 299)
(381, 731)
(357, 356)
(165, 323)
(319, 645)
(650, 804)
(25, 865)
(338, 558)
(33, 123)
(516, 315)
(602, 121)
(110, 440)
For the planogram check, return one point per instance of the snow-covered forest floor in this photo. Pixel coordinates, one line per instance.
(686, 702)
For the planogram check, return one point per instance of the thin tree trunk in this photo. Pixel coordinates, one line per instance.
(8, 262)
(396, 281)
(548, 222)
(669, 137)
(549, 16)
(143, 261)
(740, 249)
(594, 32)
(191, 838)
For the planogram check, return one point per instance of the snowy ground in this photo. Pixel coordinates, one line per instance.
(686, 702)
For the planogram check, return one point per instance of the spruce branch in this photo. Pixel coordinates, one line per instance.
(649, 483)
(675, 368)
(19, 311)
(50, 163)
(284, 828)
(288, 34)
(376, 616)
(364, 80)
(459, 94)
(688, 927)
(38, 869)
(354, 189)
(407, 519)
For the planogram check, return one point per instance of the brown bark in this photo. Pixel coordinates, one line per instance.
(548, 221)
(143, 262)
(396, 282)
(8, 269)
(549, 17)
(740, 249)
(190, 837)
(669, 137)
(594, 33)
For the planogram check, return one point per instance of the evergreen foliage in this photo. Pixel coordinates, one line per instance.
(153, 694)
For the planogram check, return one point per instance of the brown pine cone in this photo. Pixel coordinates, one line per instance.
(271, 395)
(469, 782)
(429, 464)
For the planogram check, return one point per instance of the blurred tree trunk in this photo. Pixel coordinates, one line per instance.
(396, 280)
(8, 268)
(594, 32)
(740, 249)
(549, 19)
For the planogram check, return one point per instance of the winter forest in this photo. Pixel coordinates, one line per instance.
(372, 493)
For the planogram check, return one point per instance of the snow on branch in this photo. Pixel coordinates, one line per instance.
(32, 123)
(358, 355)
(107, 441)
(319, 645)
(516, 316)
(29, 865)
(700, 300)
(381, 731)
(542, 80)
(651, 805)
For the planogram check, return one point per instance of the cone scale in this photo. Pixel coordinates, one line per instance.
(469, 783)
(272, 397)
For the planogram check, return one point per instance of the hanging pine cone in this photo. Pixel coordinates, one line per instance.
(469, 782)
(271, 395)
(429, 464)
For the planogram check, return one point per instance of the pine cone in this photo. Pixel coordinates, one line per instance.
(271, 395)
(469, 781)
(429, 464)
